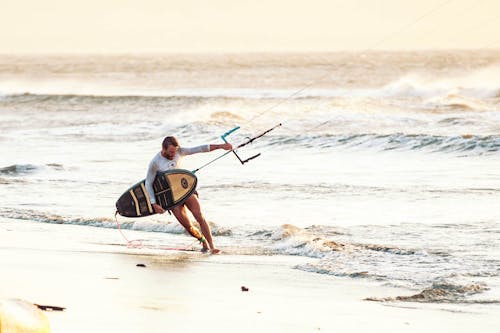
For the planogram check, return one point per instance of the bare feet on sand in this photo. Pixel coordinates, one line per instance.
(212, 251)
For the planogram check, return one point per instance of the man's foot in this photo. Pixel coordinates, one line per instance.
(212, 251)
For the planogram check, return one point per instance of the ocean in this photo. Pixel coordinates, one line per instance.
(386, 168)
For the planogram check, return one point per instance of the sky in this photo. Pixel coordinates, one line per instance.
(186, 26)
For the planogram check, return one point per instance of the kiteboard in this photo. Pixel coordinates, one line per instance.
(171, 189)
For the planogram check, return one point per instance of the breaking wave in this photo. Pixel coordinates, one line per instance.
(480, 83)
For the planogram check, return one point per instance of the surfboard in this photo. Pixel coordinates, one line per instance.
(171, 189)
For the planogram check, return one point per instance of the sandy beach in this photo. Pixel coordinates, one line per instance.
(103, 290)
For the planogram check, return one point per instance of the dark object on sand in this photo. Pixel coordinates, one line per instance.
(140, 265)
(49, 307)
(243, 288)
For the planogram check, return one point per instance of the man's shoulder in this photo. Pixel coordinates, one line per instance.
(156, 158)
(183, 151)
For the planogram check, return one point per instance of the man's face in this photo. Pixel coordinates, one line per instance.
(169, 153)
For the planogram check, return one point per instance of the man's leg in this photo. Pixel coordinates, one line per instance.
(180, 214)
(193, 205)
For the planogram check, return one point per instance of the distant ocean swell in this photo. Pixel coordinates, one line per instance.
(480, 83)
(451, 102)
(103, 98)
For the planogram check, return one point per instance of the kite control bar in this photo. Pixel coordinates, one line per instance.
(223, 137)
(248, 141)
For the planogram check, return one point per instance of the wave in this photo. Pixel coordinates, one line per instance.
(393, 265)
(106, 222)
(18, 169)
(466, 144)
(358, 264)
(225, 115)
(307, 189)
(448, 99)
(291, 240)
(23, 169)
(96, 98)
(443, 293)
(481, 83)
(316, 242)
(173, 94)
(32, 215)
(6, 181)
(288, 239)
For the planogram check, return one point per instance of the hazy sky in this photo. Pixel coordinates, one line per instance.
(245, 25)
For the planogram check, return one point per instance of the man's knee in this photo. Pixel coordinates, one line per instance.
(196, 212)
(180, 213)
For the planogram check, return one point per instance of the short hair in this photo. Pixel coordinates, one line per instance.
(170, 141)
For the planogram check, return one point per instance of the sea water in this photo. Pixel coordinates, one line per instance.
(386, 167)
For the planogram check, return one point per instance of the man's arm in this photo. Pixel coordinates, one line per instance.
(150, 178)
(225, 146)
(204, 149)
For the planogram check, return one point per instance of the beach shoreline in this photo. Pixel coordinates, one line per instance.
(103, 290)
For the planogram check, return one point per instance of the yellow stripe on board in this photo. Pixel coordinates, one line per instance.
(136, 203)
(147, 198)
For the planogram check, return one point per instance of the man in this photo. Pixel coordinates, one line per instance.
(170, 158)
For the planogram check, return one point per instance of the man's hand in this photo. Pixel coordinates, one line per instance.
(227, 146)
(158, 209)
